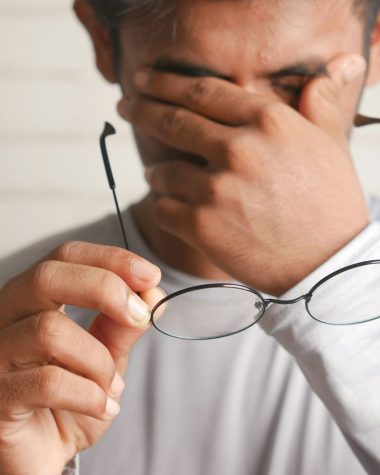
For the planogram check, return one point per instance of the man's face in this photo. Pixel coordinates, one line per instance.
(270, 47)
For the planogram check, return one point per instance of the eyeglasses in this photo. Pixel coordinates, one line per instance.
(216, 310)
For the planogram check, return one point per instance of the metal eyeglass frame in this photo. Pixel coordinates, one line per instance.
(265, 302)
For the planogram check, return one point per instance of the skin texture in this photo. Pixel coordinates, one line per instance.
(269, 172)
(59, 384)
(248, 182)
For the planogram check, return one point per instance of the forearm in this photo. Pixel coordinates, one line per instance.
(341, 363)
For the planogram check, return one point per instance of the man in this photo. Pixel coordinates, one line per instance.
(242, 111)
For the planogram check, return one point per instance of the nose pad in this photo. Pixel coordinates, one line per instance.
(305, 297)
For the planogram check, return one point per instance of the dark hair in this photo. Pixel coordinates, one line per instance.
(113, 12)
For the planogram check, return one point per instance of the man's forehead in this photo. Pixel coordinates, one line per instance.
(190, 11)
(259, 15)
(267, 37)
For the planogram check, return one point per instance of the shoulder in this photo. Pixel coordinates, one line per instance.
(103, 231)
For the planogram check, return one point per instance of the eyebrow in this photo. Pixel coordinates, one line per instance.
(308, 69)
(305, 69)
(186, 68)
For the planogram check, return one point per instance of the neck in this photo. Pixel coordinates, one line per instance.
(170, 249)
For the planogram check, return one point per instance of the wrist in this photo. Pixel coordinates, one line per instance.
(297, 264)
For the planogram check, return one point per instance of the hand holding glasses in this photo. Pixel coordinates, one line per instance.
(236, 307)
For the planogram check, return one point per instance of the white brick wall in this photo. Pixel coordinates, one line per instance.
(53, 105)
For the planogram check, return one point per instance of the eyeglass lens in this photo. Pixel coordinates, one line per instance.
(218, 311)
(354, 297)
(209, 313)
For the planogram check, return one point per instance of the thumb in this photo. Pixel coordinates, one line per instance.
(320, 100)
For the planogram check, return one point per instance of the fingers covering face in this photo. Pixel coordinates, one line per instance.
(174, 126)
(185, 181)
(217, 99)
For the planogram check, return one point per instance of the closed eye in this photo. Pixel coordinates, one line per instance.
(293, 84)
(290, 89)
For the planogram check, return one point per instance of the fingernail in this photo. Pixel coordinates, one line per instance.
(354, 67)
(141, 78)
(117, 385)
(112, 408)
(144, 270)
(138, 310)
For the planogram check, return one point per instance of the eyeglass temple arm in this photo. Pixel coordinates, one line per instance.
(109, 130)
(362, 120)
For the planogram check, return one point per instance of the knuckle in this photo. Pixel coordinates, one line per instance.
(65, 250)
(110, 285)
(43, 274)
(214, 185)
(117, 254)
(49, 380)
(198, 93)
(48, 329)
(232, 149)
(173, 121)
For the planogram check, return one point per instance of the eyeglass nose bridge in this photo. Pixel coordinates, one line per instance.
(305, 297)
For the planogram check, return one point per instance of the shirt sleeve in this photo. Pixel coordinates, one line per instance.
(341, 363)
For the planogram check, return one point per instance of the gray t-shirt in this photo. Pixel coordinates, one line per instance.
(246, 404)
